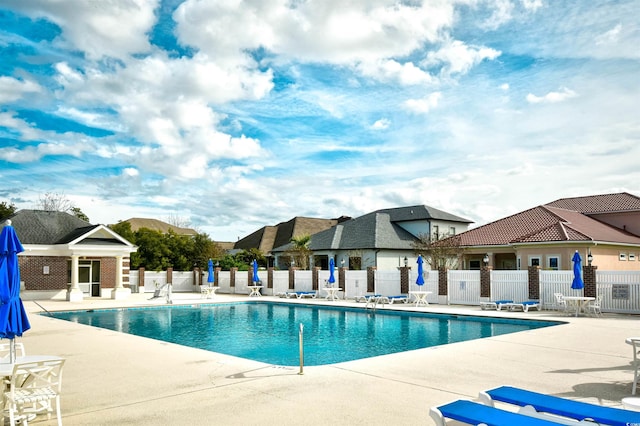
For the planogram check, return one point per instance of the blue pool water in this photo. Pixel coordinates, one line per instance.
(269, 332)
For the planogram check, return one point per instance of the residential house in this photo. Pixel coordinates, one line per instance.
(268, 237)
(158, 225)
(65, 254)
(382, 239)
(607, 226)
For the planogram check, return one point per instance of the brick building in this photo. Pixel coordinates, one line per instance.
(67, 254)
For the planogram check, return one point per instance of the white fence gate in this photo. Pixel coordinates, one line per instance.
(464, 287)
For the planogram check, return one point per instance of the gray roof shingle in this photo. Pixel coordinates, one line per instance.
(48, 227)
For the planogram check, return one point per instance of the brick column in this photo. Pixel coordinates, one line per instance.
(314, 277)
(404, 279)
(589, 278)
(195, 275)
(534, 282)
(443, 284)
(485, 281)
(232, 277)
(270, 277)
(216, 276)
(250, 276)
(342, 278)
(169, 275)
(371, 279)
(292, 278)
(141, 279)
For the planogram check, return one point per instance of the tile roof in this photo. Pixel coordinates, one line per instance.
(48, 227)
(550, 223)
(599, 203)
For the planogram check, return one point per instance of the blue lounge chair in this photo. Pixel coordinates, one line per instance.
(473, 413)
(497, 305)
(366, 297)
(525, 306)
(393, 299)
(561, 406)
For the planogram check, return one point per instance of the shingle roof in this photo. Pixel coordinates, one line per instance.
(619, 202)
(374, 230)
(550, 223)
(268, 237)
(420, 212)
(48, 227)
(158, 225)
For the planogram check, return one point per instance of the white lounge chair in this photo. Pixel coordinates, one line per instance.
(497, 305)
(299, 294)
(524, 306)
(393, 299)
(635, 342)
(366, 297)
(6, 347)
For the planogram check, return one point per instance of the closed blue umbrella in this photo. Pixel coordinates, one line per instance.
(256, 278)
(13, 317)
(420, 280)
(332, 270)
(577, 283)
(210, 277)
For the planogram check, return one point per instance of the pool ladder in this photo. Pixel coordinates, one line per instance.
(372, 303)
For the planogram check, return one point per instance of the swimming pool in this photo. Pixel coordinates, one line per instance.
(269, 332)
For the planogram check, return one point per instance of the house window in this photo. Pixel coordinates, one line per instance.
(436, 232)
(474, 264)
(622, 256)
(534, 260)
(452, 230)
(632, 256)
(553, 263)
(519, 263)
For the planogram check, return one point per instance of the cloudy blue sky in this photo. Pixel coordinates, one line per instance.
(232, 115)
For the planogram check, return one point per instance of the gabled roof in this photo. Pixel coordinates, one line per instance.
(620, 202)
(48, 227)
(158, 225)
(374, 230)
(268, 237)
(548, 223)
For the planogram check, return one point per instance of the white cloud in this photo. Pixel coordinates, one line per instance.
(392, 71)
(98, 28)
(424, 105)
(12, 89)
(532, 5)
(458, 58)
(552, 97)
(502, 12)
(610, 37)
(381, 124)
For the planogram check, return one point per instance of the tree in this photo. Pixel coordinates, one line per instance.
(54, 202)
(79, 214)
(300, 251)
(443, 252)
(6, 210)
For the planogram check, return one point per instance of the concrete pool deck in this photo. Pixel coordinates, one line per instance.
(112, 378)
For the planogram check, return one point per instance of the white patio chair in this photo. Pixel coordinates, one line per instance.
(594, 307)
(31, 389)
(5, 347)
(561, 304)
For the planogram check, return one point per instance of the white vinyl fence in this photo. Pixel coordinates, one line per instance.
(620, 290)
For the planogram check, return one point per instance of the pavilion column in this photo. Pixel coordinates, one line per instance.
(119, 292)
(74, 294)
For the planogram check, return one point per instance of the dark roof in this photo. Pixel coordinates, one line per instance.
(374, 230)
(550, 223)
(620, 202)
(48, 227)
(420, 212)
(268, 237)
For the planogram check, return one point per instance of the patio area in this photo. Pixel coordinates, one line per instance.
(114, 378)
